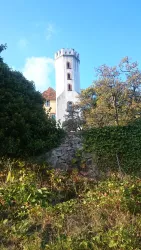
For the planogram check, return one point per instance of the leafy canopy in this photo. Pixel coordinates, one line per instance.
(115, 97)
(25, 128)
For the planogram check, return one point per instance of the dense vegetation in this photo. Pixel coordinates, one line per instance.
(114, 98)
(42, 208)
(25, 128)
(48, 209)
(116, 147)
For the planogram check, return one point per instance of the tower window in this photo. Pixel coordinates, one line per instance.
(47, 103)
(68, 65)
(69, 87)
(69, 76)
(69, 106)
(53, 116)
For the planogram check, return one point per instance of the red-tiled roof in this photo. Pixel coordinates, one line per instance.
(49, 94)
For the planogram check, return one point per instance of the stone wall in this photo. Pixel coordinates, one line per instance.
(62, 156)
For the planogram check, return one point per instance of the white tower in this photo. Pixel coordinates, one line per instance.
(67, 81)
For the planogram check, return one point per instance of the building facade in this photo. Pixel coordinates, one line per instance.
(50, 101)
(67, 81)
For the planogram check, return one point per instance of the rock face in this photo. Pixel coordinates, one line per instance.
(62, 156)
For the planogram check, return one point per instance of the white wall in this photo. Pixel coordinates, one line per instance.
(62, 104)
(62, 94)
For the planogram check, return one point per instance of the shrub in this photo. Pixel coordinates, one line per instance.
(25, 128)
(47, 209)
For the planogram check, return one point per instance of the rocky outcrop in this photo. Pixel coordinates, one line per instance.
(64, 157)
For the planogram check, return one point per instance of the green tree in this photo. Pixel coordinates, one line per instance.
(86, 104)
(73, 120)
(3, 47)
(25, 128)
(115, 97)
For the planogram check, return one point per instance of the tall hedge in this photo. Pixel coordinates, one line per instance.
(116, 147)
(25, 129)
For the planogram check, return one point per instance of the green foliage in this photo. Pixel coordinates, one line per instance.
(116, 147)
(111, 101)
(45, 209)
(3, 47)
(25, 128)
(42, 208)
(73, 120)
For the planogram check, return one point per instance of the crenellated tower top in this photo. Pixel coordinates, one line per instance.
(66, 52)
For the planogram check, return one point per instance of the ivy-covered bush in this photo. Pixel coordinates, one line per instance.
(116, 147)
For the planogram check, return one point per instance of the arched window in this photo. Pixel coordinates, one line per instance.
(68, 76)
(69, 87)
(47, 103)
(68, 65)
(69, 106)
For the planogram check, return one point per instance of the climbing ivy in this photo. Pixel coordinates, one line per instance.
(116, 147)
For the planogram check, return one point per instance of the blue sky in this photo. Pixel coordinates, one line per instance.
(102, 31)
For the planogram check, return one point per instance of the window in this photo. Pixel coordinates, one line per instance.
(68, 65)
(69, 87)
(69, 106)
(47, 103)
(69, 76)
(53, 116)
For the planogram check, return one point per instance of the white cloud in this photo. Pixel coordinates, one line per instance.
(22, 43)
(50, 31)
(39, 69)
(39, 24)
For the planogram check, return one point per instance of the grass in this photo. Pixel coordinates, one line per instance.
(41, 208)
